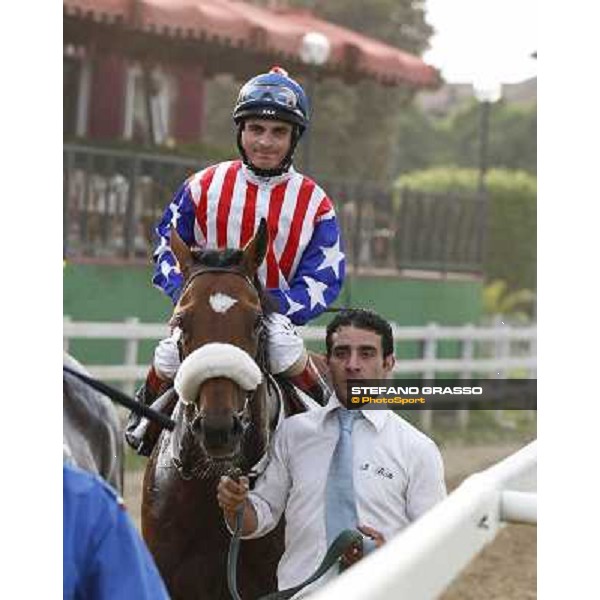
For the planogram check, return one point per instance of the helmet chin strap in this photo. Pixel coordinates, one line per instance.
(284, 165)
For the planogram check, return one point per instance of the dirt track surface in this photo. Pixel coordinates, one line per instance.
(504, 570)
(507, 568)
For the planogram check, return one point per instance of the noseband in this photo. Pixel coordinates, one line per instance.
(202, 270)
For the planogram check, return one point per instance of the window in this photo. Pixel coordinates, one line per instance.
(76, 91)
(149, 105)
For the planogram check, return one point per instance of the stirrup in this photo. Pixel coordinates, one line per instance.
(141, 433)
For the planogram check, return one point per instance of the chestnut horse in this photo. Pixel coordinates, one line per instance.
(224, 418)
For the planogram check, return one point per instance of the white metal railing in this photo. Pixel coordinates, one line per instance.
(420, 562)
(507, 348)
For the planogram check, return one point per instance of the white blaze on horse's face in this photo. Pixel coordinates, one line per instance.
(221, 303)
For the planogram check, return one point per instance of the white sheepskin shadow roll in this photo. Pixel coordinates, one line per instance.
(216, 360)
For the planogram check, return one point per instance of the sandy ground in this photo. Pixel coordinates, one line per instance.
(504, 570)
(507, 568)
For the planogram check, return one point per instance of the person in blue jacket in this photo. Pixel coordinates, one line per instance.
(104, 557)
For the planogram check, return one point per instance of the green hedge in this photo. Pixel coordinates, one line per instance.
(512, 223)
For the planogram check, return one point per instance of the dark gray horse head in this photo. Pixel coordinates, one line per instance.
(91, 428)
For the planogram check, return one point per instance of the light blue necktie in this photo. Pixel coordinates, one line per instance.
(340, 503)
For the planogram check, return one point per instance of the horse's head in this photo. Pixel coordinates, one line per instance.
(220, 313)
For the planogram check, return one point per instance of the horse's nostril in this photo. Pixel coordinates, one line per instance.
(217, 432)
(238, 428)
(216, 438)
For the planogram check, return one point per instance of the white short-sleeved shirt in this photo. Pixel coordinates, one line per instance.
(398, 475)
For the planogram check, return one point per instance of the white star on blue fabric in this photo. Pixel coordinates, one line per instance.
(315, 291)
(166, 269)
(175, 212)
(162, 246)
(332, 258)
(294, 306)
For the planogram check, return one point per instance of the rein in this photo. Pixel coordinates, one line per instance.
(123, 399)
(203, 270)
(342, 543)
(262, 356)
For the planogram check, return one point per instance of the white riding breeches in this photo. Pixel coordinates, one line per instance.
(285, 347)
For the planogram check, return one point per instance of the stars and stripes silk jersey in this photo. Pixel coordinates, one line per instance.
(222, 206)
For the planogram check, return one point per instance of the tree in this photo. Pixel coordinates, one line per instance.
(355, 130)
(512, 136)
(400, 23)
(421, 142)
(511, 223)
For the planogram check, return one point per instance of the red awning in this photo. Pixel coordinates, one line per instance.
(278, 33)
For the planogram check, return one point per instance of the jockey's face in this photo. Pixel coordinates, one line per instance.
(356, 354)
(266, 142)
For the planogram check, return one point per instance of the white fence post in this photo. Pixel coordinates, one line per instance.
(533, 354)
(467, 355)
(66, 321)
(501, 352)
(131, 353)
(532, 371)
(429, 354)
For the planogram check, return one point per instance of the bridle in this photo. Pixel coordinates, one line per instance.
(205, 269)
(261, 360)
(242, 417)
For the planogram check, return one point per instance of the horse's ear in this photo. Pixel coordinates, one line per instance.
(181, 251)
(256, 249)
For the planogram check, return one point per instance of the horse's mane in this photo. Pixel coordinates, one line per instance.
(217, 258)
(230, 259)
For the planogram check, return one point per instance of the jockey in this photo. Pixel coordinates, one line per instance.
(222, 206)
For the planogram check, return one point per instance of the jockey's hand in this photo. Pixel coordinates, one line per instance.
(231, 495)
